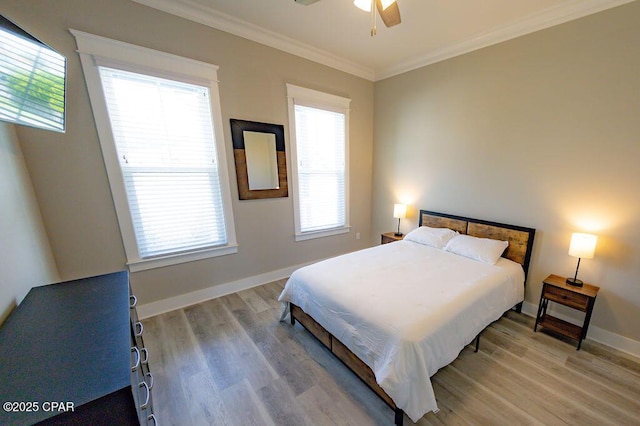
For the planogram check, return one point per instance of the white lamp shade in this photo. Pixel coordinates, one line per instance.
(387, 3)
(363, 4)
(366, 4)
(583, 245)
(399, 211)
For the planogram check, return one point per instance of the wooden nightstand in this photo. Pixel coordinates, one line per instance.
(555, 289)
(390, 237)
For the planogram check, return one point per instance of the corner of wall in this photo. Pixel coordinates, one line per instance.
(27, 259)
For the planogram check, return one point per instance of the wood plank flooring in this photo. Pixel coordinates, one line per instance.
(229, 361)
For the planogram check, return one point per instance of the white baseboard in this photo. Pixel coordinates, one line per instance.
(624, 344)
(178, 302)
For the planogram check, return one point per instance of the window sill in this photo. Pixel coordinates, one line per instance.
(176, 259)
(324, 233)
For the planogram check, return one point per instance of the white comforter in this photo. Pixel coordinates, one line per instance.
(406, 310)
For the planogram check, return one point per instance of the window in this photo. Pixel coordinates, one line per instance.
(319, 124)
(32, 80)
(160, 132)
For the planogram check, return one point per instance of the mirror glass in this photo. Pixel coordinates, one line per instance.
(262, 163)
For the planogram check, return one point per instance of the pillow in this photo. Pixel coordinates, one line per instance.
(432, 237)
(483, 249)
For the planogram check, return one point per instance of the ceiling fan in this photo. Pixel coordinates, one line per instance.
(387, 9)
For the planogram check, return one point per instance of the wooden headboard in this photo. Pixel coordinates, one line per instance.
(520, 238)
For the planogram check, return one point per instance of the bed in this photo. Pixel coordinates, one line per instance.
(396, 313)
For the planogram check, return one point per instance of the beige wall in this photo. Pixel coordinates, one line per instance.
(68, 172)
(25, 256)
(540, 131)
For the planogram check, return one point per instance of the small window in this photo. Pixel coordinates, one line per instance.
(32, 80)
(159, 123)
(319, 123)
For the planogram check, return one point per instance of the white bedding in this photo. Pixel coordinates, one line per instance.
(406, 310)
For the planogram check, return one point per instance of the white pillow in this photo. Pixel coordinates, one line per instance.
(432, 237)
(482, 249)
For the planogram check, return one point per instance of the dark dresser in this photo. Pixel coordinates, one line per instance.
(72, 353)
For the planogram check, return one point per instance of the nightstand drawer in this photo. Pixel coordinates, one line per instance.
(568, 298)
(390, 237)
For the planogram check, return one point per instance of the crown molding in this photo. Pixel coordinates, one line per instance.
(556, 15)
(198, 13)
(559, 14)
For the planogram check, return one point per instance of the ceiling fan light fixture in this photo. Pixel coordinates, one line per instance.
(387, 9)
(363, 5)
(387, 3)
(366, 4)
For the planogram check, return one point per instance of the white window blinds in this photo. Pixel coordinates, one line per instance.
(166, 149)
(32, 80)
(320, 150)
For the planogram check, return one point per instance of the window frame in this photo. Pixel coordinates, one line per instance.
(47, 61)
(98, 51)
(320, 100)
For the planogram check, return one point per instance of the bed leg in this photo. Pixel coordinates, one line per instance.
(399, 417)
(292, 320)
(519, 307)
(477, 342)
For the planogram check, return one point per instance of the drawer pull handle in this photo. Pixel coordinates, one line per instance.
(133, 301)
(145, 360)
(153, 417)
(139, 329)
(564, 297)
(137, 363)
(144, 405)
(150, 376)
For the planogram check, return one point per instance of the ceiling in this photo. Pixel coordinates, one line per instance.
(337, 34)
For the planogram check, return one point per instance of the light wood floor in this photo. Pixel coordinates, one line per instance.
(230, 361)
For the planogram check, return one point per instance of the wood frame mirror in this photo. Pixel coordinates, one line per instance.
(261, 162)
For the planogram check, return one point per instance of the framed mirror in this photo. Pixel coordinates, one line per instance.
(261, 163)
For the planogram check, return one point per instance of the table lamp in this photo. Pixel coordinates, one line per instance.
(399, 212)
(582, 246)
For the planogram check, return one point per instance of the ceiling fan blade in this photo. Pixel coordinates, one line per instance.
(391, 15)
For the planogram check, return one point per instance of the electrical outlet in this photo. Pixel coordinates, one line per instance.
(357, 235)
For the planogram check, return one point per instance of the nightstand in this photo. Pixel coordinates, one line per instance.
(390, 237)
(555, 289)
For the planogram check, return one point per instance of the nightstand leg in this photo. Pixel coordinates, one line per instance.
(540, 309)
(587, 319)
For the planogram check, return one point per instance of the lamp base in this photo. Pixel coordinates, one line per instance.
(398, 234)
(574, 282)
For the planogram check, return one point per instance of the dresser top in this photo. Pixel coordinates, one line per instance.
(66, 342)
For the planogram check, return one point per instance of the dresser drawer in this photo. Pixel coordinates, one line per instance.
(141, 376)
(565, 297)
